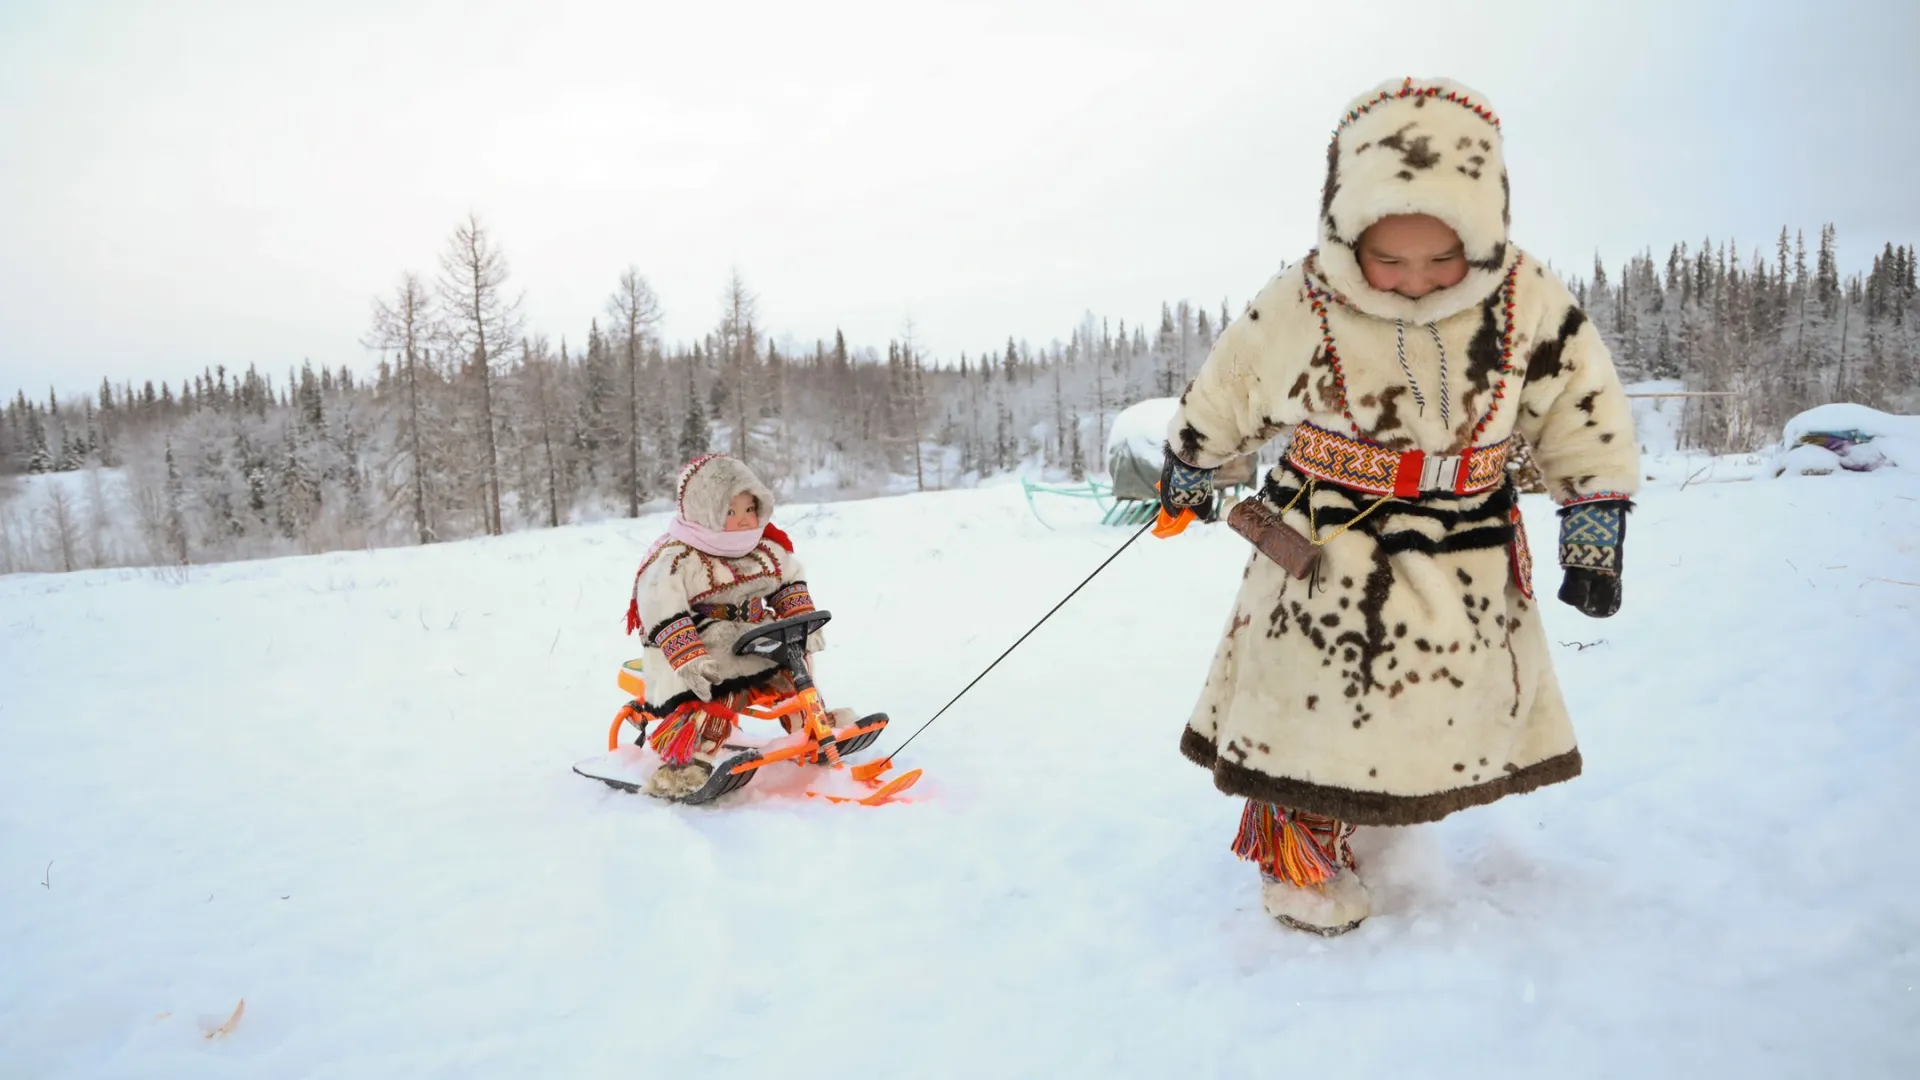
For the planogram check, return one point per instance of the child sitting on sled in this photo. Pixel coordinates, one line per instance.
(1385, 661)
(722, 567)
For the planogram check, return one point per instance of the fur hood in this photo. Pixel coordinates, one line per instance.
(709, 483)
(1416, 146)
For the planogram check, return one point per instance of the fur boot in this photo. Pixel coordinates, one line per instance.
(1329, 909)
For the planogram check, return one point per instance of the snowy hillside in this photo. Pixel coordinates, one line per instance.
(337, 787)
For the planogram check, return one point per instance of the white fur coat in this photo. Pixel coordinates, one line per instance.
(1412, 677)
(676, 576)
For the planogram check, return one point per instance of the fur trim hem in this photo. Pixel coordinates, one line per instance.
(1371, 807)
(1197, 748)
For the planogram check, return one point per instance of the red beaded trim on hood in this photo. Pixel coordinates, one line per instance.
(1408, 90)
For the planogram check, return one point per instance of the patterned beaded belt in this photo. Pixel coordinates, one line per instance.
(1369, 467)
(753, 611)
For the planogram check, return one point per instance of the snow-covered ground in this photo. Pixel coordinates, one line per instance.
(338, 788)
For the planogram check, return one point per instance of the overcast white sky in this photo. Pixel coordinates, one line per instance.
(190, 183)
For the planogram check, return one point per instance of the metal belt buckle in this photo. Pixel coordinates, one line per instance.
(1439, 473)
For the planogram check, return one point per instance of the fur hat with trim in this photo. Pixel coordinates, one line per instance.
(708, 483)
(1416, 146)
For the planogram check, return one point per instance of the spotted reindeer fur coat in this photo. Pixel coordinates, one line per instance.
(1410, 676)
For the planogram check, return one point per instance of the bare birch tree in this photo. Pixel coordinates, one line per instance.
(403, 328)
(636, 311)
(537, 372)
(739, 358)
(479, 319)
(62, 527)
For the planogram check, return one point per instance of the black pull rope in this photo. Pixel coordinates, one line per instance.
(996, 663)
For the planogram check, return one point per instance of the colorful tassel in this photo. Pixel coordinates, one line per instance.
(633, 615)
(678, 737)
(681, 733)
(1301, 849)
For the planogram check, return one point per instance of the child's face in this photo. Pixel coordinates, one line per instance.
(1412, 254)
(743, 513)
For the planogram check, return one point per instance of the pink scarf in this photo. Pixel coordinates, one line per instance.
(727, 545)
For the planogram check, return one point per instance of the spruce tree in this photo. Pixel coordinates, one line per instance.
(695, 436)
(39, 458)
(73, 453)
(176, 495)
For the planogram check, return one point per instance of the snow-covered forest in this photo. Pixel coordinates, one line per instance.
(462, 420)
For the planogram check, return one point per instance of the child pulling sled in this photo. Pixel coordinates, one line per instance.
(1385, 662)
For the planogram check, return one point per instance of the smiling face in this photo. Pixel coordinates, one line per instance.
(1412, 254)
(743, 513)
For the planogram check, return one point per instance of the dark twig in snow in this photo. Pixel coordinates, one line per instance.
(46, 880)
(556, 642)
(1583, 646)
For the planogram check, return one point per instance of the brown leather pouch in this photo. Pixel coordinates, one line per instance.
(1274, 538)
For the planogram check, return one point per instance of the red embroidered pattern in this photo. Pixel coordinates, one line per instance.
(760, 564)
(686, 474)
(792, 600)
(1333, 457)
(1520, 556)
(1318, 299)
(1372, 468)
(680, 641)
(653, 553)
(1487, 465)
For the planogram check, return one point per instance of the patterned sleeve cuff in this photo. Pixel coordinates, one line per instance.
(1183, 484)
(791, 599)
(1591, 532)
(679, 639)
(1598, 496)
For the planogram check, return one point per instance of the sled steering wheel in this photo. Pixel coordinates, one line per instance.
(783, 641)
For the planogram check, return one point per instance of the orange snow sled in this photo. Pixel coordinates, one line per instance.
(812, 738)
